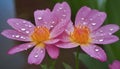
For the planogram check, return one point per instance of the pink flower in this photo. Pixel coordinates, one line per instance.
(115, 65)
(43, 36)
(88, 32)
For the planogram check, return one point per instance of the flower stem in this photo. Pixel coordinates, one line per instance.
(77, 59)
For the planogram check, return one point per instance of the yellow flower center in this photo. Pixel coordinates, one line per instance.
(81, 35)
(39, 35)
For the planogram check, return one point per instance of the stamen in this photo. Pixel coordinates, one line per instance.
(80, 35)
(40, 34)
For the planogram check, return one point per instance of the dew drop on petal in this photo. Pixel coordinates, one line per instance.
(111, 29)
(93, 24)
(24, 21)
(23, 29)
(60, 8)
(27, 31)
(53, 22)
(84, 23)
(91, 19)
(41, 51)
(17, 23)
(17, 36)
(51, 26)
(82, 18)
(13, 35)
(39, 18)
(96, 49)
(101, 40)
(36, 55)
(63, 15)
(29, 26)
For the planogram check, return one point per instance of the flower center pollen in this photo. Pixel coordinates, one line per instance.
(40, 34)
(80, 35)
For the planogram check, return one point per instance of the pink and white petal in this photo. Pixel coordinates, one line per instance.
(45, 18)
(20, 48)
(62, 11)
(51, 41)
(67, 45)
(95, 52)
(58, 29)
(64, 37)
(15, 35)
(70, 27)
(105, 39)
(96, 20)
(106, 30)
(115, 65)
(53, 51)
(36, 56)
(81, 15)
(21, 25)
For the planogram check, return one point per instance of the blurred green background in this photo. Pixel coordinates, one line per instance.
(67, 59)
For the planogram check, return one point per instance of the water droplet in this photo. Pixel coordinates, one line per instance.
(23, 29)
(24, 21)
(64, 15)
(60, 8)
(101, 40)
(51, 26)
(17, 36)
(84, 23)
(111, 29)
(17, 23)
(39, 18)
(96, 49)
(41, 51)
(91, 19)
(13, 35)
(36, 55)
(110, 33)
(82, 18)
(29, 26)
(29, 45)
(93, 23)
(27, 31)
(22, 37)
(53, 22)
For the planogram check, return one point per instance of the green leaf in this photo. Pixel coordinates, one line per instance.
(67, 66)
(44, 66)
(92, 63)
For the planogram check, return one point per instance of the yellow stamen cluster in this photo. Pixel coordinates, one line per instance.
(80, 35)
(40, 34)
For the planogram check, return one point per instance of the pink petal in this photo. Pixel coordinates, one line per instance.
(105, 39)
(45, 18)
(21, 25)
(62, 11)
(106, 30)
(70, 27)
(20, 48)
(15, 35)
(96, 20)
(115, 65)
(81, 15)
(64, 37)
(36, 56)
(51, 41)
(95, 52)
(53, 51)
(58, 29)
(66, 45)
